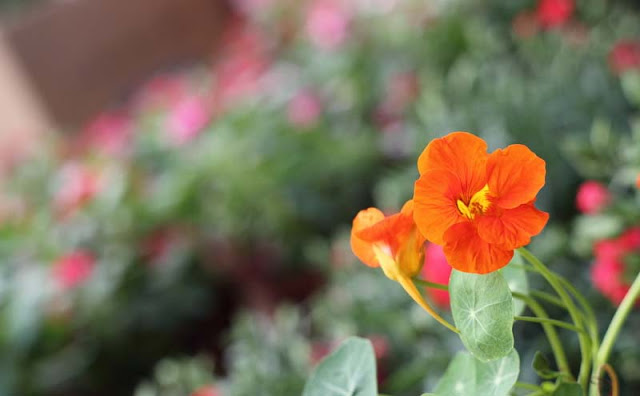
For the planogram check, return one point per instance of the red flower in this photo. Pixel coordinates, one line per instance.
(73, 269)
(624, 56)
(592, 197)
(436, 269)
(554, 13)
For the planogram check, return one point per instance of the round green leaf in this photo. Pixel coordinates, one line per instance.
(467, 375)
(348, 371)
(516, 278)
(482, 309)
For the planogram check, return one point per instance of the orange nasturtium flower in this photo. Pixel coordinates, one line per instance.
(479, 207)
(394, 244)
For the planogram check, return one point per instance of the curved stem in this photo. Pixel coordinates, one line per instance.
(552, 322)
(584, 339)
(550, 331)
(432, 285)
(408, 286)
(614, 328)
(615, 387)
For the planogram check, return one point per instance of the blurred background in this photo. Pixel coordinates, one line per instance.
(178, 179)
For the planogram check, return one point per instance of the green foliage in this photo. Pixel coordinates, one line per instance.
(348, 371)
(482, 309)
(516, 278)
(542, 368)
(467, 375)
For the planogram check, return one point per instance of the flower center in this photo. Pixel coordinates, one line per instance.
(478, 204)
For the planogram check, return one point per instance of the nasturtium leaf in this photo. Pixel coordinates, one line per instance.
(482, 309)
(516, 278)
(541, 367)
(348, 371)
(568, 389)
(467, 375)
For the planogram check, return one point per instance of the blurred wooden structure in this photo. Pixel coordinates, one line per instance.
(64, 61)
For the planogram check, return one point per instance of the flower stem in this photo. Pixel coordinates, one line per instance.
(524, 385)
(550, 331)
(583, 338)
(614, 329)
(552, 322)
(432, 285)
(408, 285)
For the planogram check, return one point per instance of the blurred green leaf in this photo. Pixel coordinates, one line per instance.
(348, 371)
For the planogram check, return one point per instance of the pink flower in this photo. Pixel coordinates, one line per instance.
(436, 269)
(73, 269)
(78, 185)
(304, 109)
(607, 277)
(592, 197)
(160, 92)
(207, 390)
(109, 133)
(554, 13)
(609, 267)
(327, 23)
(187, 119)
(624, 56)
(243, 62)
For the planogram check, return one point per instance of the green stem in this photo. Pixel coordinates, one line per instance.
(550, 331)
(546, 297)
(432, 285)
(525, 385)
(614, 329)
(584, 339)
(552, 322)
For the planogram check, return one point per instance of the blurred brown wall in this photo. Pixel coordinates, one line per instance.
(78, 56)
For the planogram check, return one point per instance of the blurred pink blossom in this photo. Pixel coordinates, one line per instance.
(304, 109)
(78, 185)
(624, 56)
(554, 13)
(610, 266)
(160, 92)
(242, 63)
(327, 23)
(73, 269)
(592, 197)
(187, 119)
(436, 269)
(109, 133)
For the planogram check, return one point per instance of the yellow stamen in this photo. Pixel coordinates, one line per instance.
(478, 204)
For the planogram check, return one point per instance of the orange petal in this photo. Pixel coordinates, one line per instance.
(515, 176)
(512, 228)
(467, 252)
(435, 209)
(361, 248)
(460, 153)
